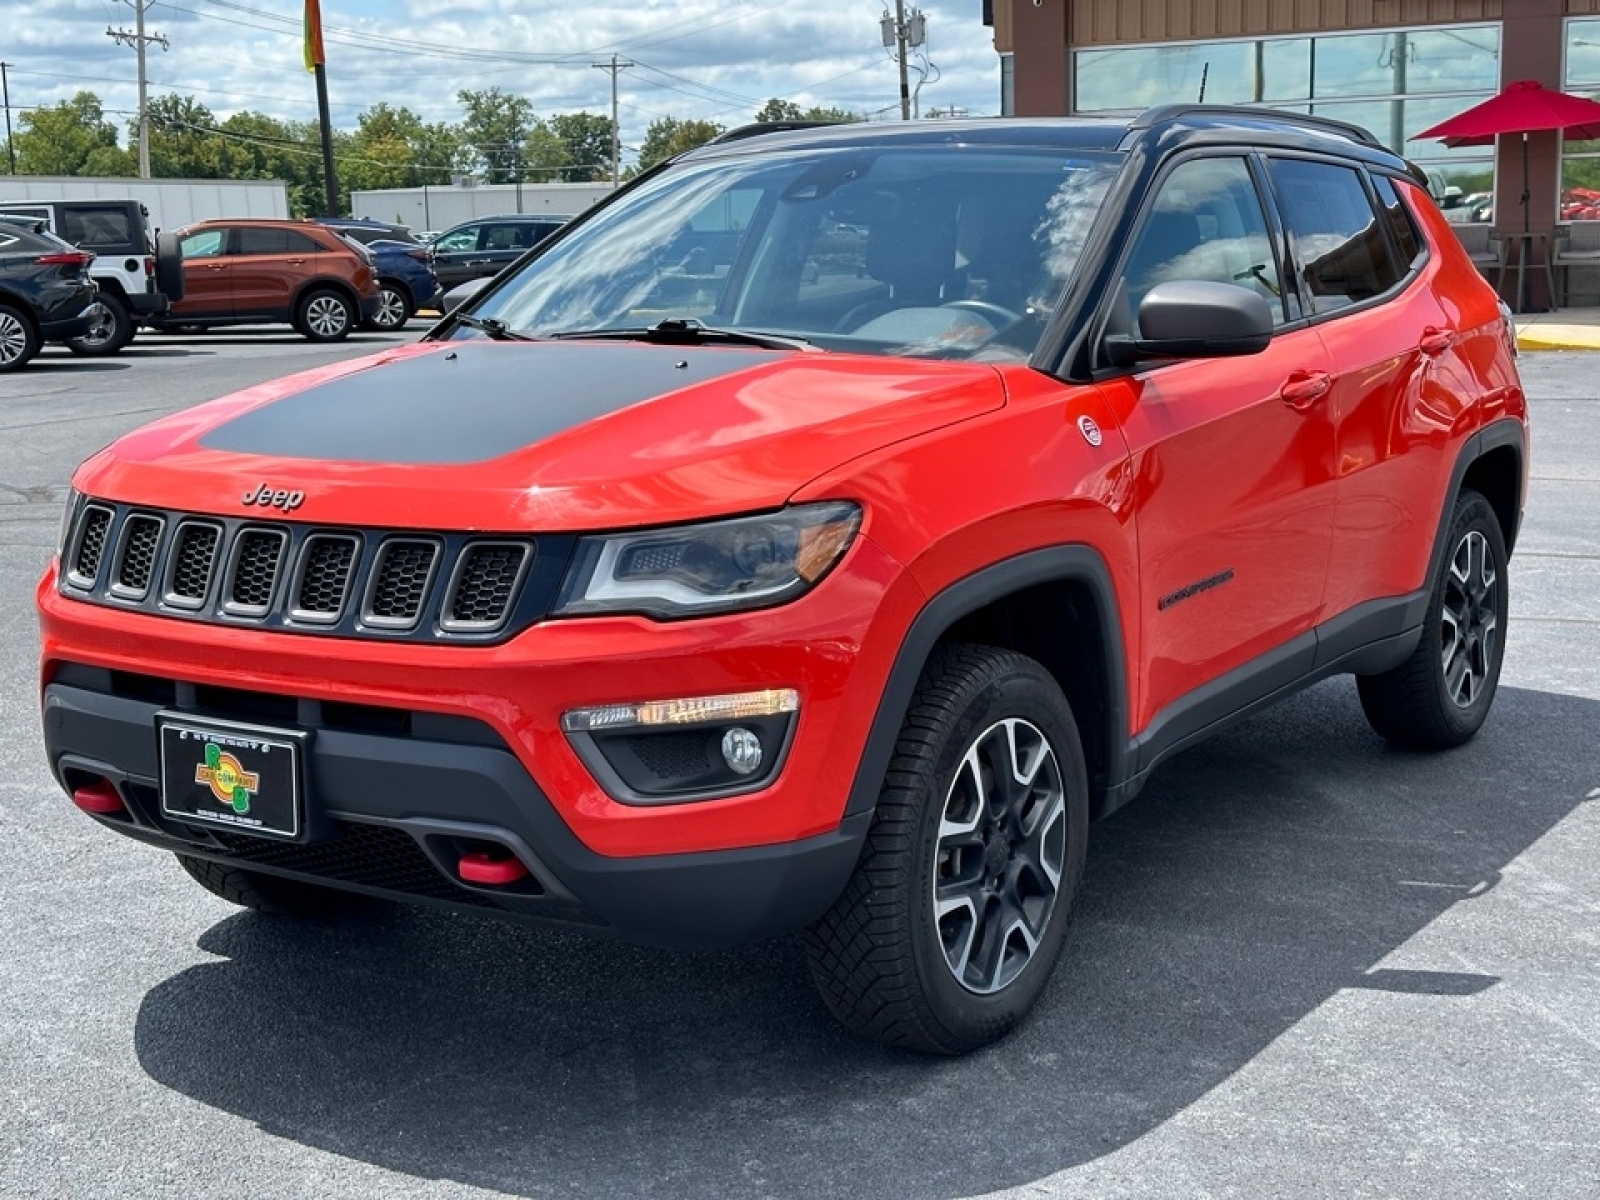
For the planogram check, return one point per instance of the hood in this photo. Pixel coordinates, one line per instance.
(538, 435)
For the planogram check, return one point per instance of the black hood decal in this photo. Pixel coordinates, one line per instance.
(471, 402)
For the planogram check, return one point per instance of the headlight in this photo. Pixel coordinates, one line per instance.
(724, 566)
(67, 516)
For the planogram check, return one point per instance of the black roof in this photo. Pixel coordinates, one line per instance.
(1213, 123)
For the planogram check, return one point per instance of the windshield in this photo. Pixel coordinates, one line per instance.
(954, 251)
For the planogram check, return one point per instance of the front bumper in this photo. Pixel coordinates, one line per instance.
(383, 826)
(431, 748)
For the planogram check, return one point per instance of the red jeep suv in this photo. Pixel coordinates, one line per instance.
(813, 537)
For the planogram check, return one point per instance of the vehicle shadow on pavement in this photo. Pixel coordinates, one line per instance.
(1258, 875)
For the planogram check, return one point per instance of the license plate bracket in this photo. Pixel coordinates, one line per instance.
(246, 778)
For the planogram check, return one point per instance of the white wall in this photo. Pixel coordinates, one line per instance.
(438, 208)
(172, 202)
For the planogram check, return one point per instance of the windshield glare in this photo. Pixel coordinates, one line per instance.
(953, 252)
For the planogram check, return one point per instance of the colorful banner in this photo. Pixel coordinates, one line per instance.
(313, 50)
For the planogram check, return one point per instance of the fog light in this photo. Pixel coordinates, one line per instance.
(741, 750)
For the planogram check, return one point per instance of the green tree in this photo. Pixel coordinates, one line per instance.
(668, 136)
(545, 157)
(787, 110)
(394, 147)
(62, 139)
(494, 132)
(183, 142)
(587, 138)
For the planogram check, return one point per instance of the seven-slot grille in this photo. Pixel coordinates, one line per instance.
(296, 577)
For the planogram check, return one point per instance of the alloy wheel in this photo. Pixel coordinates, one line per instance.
(391, 312)
(1001, 846)
(1469, 620)
(327, 316)
(13, 339)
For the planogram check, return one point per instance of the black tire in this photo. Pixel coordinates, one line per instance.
(270, 893)
(888, 964)
(112, 331)
(1440, 696)
(394, 308)
(324, 315)
(19, 340)
(169, 267)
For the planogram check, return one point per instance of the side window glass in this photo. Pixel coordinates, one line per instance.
(502, 237)
(299, 243)
(460, 239)
(261, 241)
(96, 226)
(1398, 218)
(1206, 223)
(208, 243)
(1342, 252)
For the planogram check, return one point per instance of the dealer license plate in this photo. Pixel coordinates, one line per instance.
(243, 777)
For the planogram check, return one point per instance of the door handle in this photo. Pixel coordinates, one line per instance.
(1305, 388)
(216, 266)
(295, 262)
(1436, 341)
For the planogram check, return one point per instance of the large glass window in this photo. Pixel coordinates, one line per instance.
(1580, 161)
(1394, 82)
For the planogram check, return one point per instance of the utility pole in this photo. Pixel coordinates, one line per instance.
(5, 87)
(138, 39)
(616, 66)
(900, 33)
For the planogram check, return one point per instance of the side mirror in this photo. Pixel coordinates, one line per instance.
(1195, 318)
(462, 292)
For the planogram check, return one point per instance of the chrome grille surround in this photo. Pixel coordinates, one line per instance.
(423, 586)
(486, 577)
(135, 563)
(89, 544)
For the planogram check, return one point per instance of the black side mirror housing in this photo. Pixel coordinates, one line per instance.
(1195, 318)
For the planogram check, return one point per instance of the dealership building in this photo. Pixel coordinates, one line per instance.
(1396, 67)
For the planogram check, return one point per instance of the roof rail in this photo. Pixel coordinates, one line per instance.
(739, 133)
(1171, 112)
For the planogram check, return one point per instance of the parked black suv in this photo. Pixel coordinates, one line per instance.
(478, 248)
(46, 293)
(137, 280)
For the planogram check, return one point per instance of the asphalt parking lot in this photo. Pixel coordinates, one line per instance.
(1306, 964)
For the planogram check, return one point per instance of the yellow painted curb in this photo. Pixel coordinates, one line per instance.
(1558, 337)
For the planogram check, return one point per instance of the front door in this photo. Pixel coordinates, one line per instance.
(455, 254)
(1233, 472)
(207, 274)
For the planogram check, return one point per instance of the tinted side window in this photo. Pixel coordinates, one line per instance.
(302, 243)
(1342, 251)
(465, 238)
(208, 243)
(108, 226)
(1207, 223)
(1398, 219)
(508, 237)
(261, 241)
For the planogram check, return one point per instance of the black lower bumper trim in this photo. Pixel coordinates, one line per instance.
(395, 814)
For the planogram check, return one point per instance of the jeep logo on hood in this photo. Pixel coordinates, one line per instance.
(267, 497)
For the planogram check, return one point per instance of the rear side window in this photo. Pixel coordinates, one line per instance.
(1343, 252)
(1398, 219)
(99, 226)
(276, 241)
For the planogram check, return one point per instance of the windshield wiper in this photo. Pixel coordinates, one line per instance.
(687, 331)
(497, 330)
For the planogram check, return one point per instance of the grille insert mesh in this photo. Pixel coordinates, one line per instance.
(137, 562)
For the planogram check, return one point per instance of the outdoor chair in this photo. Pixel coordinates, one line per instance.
(1483, 248)
(1577, 245)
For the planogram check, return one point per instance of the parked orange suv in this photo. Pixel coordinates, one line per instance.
(244, 272)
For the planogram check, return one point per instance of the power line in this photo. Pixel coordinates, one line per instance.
(139, 40)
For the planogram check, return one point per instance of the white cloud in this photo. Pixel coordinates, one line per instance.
(693, 58)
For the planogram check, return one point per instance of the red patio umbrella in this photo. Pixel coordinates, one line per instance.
(1524, 107)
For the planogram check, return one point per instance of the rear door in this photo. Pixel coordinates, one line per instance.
(269, 265)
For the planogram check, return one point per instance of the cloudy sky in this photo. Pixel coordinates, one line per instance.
(692, 58)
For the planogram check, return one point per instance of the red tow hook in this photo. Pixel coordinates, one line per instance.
(481, 868)
(97, 797)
